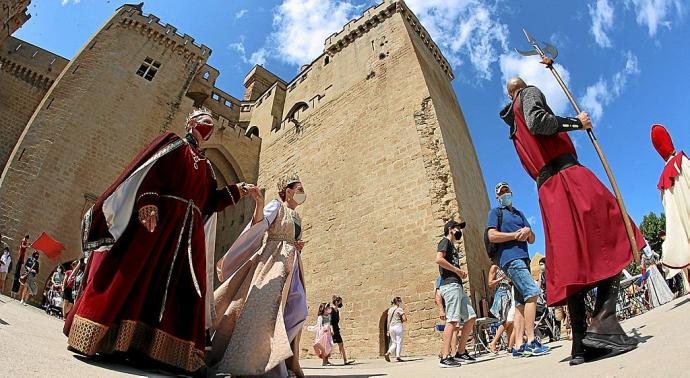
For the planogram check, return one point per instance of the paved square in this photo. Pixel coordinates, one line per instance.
(33, 346)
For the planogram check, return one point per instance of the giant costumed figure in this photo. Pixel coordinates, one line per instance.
(150, 237)
(674, 185)
(586, 240)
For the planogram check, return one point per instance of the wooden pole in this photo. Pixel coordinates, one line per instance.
(602, 157)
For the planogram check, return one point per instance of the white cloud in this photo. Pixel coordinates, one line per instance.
(604, 92)
(301, 27)
(241, 13)
(65, 2)
(239, 47)
(464, 29)
(602, 22)
(258, 57)
(534, 73)
(560, 40)
(655, 13)
(596, 96)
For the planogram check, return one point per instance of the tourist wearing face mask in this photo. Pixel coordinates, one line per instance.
(337, 304)
(511, 234)
(458, 308)
(261, 304)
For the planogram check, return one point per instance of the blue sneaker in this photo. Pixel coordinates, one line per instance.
(534, 349)
(546, 347)
(517, 353)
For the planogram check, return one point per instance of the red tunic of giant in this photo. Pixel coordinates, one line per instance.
(586, 240)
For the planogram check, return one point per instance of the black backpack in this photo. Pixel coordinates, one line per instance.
(492, 248)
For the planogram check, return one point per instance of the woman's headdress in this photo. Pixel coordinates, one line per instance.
(288, 179)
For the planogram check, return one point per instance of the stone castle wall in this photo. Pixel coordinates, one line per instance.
(369, 143)
(372, 126)
(26, 74)
(13, 14)
(96, 117)
(453, 167)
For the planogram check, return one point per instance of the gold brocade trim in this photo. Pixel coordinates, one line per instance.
(90, 338)
(281, 238)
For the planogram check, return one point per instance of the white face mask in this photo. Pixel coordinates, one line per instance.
(300, 197)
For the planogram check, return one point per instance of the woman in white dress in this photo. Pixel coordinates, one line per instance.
(657, 288)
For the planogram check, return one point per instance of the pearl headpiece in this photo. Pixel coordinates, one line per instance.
(288, 179)
(198, 112)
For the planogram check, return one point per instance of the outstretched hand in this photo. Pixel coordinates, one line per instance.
(255, 192)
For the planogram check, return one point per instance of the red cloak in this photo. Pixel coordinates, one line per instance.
(586, 240)
(145, 292)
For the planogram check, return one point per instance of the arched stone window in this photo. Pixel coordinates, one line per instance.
(207, 75)
(252, 130)
(295, 110)
(293, 115)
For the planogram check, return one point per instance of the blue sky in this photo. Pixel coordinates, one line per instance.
(626, 62)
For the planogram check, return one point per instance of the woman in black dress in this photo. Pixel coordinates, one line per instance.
(335, 323)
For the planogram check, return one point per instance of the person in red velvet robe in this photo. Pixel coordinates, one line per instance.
(146, 287)
(586, 242)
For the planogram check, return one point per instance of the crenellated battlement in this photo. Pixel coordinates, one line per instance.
(376, 15)
(226, 130)
(357, 27)
(132, 17)
(30, 63)
(424, 34)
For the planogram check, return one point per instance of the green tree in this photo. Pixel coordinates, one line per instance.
(650, 227)
(633, 268)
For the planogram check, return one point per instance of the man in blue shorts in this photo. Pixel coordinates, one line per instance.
(511, 233)
(458, 309)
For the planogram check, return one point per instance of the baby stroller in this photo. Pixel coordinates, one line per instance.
(53, 303)
(545, 324)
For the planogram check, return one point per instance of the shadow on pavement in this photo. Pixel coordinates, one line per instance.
(679, 304)
(409, 360)
(2, 322)
(110, 364)
(353, 375)
(636, 334)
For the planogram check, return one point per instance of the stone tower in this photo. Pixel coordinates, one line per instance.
(374, 129)
(26, 74)
(372, 126)
(134, 79)
(13, 14)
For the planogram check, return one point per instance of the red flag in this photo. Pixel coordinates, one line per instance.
(48, 245)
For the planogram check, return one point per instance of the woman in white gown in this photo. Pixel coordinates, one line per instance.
(657, 289)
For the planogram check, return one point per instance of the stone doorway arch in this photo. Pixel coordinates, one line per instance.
(233, 219)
